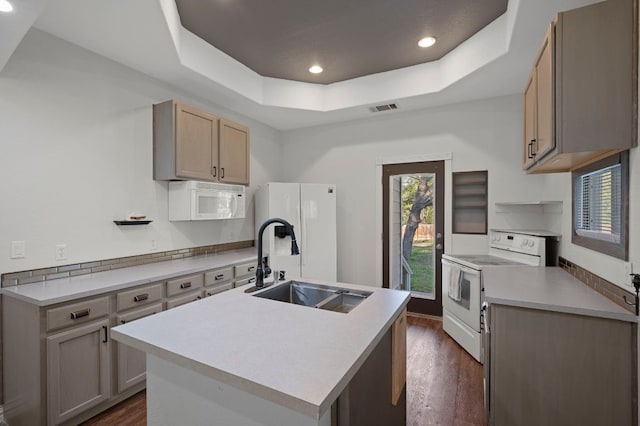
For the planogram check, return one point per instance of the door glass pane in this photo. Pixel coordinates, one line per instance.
(417, 245)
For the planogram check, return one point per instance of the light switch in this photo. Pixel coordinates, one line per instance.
(18, 249)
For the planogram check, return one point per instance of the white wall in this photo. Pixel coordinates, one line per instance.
(481, 135)
(76, 144)
(486, 134)
(76, 141)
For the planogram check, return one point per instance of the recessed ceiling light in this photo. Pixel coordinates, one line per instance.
(5, 6)
(316, 69)
(427, 42)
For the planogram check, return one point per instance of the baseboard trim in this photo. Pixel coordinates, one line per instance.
(418, 315)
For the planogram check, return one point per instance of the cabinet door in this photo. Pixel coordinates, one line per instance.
(545, 105)
(77, 370)
(132, 363)
(529, 122)
(234, 153)
(196, 144)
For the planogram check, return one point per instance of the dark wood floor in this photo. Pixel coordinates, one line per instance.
(444, 383)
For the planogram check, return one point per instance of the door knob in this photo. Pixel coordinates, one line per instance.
(438, 246)
(438, 236)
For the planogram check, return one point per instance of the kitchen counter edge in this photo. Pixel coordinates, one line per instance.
(550, 289)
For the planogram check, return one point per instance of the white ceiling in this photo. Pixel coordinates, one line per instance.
(147, 35)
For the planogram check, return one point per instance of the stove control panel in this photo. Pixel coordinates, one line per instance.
(527, 244)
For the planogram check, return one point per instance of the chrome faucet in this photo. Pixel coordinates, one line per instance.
(260, 272)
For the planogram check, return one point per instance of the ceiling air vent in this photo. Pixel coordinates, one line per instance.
(386, 107)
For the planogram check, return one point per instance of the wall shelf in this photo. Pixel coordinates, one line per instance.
(132, 222)
(527, 203)
(470, 202)
(548, 206)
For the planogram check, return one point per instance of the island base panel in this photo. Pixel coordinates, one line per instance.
(177, 395)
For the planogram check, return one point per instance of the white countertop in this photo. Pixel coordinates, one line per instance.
(550, 289)
(65, 289)
(296, 356)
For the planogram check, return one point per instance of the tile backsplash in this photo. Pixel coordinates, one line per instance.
(599, 284)
(65, 271)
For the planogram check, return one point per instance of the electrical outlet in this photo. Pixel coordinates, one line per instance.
(61, 251)
(18, 250)
(628, 270)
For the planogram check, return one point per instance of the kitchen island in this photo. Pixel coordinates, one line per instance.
(239, 359)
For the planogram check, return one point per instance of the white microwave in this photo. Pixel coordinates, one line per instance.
(193, 200)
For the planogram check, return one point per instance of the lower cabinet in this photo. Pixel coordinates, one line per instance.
(552, 368)
(59, 366)
(77, 370)
(245, 273)
(132, 363)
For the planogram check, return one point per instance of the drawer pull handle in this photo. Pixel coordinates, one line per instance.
(81, 313)
(141, 297)
(106, 334)
(185, 285)
(198, 298)
(251, 280)
(251, 268)
(219, 277)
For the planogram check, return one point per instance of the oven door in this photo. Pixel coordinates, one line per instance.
(467, 308)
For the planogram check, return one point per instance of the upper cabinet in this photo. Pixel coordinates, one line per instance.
(580, 103)
(234, 152)
(191, 144)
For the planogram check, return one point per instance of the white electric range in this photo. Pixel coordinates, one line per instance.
(462, 284)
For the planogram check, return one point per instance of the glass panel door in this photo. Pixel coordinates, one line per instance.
(417, 243)
(413, 232)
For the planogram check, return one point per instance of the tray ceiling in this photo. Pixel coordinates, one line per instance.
(349, 39)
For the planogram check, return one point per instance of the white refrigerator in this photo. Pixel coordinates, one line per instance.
(311, 209)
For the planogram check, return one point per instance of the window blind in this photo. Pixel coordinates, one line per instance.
(598, 203)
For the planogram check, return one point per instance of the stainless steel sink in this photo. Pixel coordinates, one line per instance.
(343, 302)
(314, 295)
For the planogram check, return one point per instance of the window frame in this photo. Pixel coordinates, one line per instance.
(619, 250)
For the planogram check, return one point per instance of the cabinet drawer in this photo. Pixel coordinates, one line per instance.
(138, 296)
(184, 284)
(218, 276)
(210, 291)
(245, 281)
(181, 300)
(77, 313)
(139, 313)
(245, 269)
